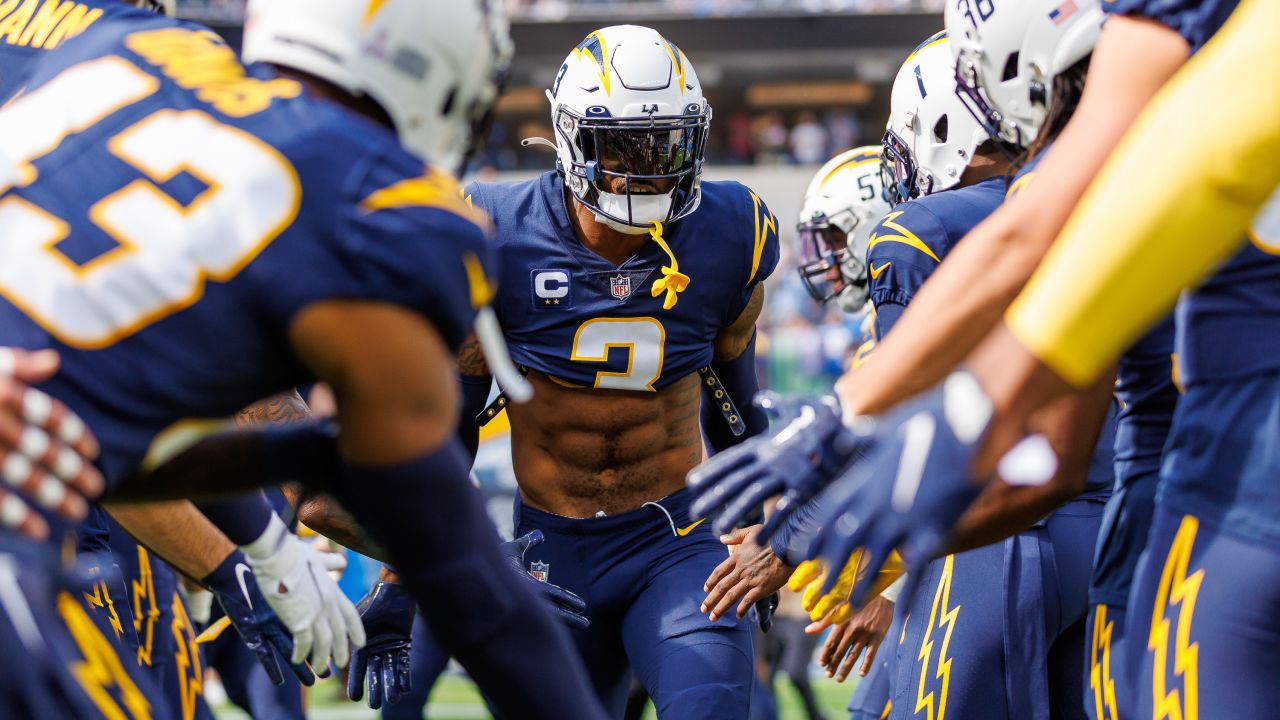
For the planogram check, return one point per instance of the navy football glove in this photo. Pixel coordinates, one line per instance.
(806, 448)
(913, 485)
(568, 607)
(387, 612)
(236, 589)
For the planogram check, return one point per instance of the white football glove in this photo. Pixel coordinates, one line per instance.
(295, 580)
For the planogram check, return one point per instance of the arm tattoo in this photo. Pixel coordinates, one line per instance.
(282, 409)
(322, 513)
(471, 359)
(317, 511)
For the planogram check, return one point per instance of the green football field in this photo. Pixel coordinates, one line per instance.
(455, 698)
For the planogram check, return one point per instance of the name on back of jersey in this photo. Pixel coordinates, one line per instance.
(44, 24)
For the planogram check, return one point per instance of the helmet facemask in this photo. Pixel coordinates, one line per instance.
(900, 174)
(633, 172)
(825, 247)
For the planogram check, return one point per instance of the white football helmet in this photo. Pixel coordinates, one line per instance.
(631, 128)
(435, 66)
(844, 202)
(931, 137)
(1008, 53)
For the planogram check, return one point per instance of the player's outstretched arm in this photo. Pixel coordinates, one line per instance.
(177, 532)
(969, 293)
(315, 509)
(406, 481)
(45, 449)
(180, 534)
(1153, 223)
(1072, 426)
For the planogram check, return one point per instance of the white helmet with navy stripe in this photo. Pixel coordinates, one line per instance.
(1008, 53)
(844, 202)
(630, 126)
(435, 66)
(931, 137)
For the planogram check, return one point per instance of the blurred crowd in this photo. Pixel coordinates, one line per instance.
(774, 138)
(546, 10)
(803, 346)
(561, 9)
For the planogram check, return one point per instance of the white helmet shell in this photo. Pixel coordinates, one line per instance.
(931, 137)
(847, 195)
(434, 66)
(630, 126)
(1008, 54)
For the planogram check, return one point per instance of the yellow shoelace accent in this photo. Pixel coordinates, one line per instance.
(673, 282)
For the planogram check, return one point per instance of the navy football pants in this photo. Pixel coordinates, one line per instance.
(641, 574)
(998, 632)
(1204, 624)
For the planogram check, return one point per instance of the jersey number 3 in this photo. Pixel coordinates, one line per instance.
(644, 339)
(164, 251)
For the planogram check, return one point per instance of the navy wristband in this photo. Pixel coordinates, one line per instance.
(242, 519)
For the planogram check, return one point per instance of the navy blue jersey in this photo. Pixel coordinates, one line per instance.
(571, 314)
(167, 212)
(1229, 327)
(31, 28)
(909, 243)
(1148, 397)
(1101, 476)
(1221, 463)
(1197, 21)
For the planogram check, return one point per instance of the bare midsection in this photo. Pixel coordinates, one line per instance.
(580, 451)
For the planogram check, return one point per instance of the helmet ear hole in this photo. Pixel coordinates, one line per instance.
(447, 106)
(940, 130)
(1010, 68)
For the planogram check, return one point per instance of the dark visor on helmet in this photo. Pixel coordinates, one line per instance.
(823, 250)
(649, 155)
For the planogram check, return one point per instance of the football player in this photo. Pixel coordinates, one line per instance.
(965, 310)
(113, 562)
(945, 176)
(224, 232)
(176, 670)
(842, 204)
(1202, 627)
(629, 294)
(32, 35)
(1053, 53)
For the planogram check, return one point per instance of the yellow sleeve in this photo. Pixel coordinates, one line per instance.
(1173, 201)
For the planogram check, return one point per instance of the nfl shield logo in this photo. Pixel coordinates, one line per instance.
(539, 570)
(620, 286)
